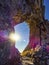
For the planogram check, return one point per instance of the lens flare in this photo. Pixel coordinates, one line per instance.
(14, 37)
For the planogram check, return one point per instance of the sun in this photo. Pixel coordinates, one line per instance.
(14, 37)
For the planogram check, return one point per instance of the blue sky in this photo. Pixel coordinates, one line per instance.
(46, 3)
(23, 30)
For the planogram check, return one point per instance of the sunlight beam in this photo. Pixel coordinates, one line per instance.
(14, 37)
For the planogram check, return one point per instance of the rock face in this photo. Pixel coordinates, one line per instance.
(9, 55)
(41, 56)
(13, 12)
(38, 25)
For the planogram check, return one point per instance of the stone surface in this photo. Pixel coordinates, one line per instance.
(13, 12)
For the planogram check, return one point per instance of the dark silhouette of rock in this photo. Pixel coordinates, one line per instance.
(41, 56)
